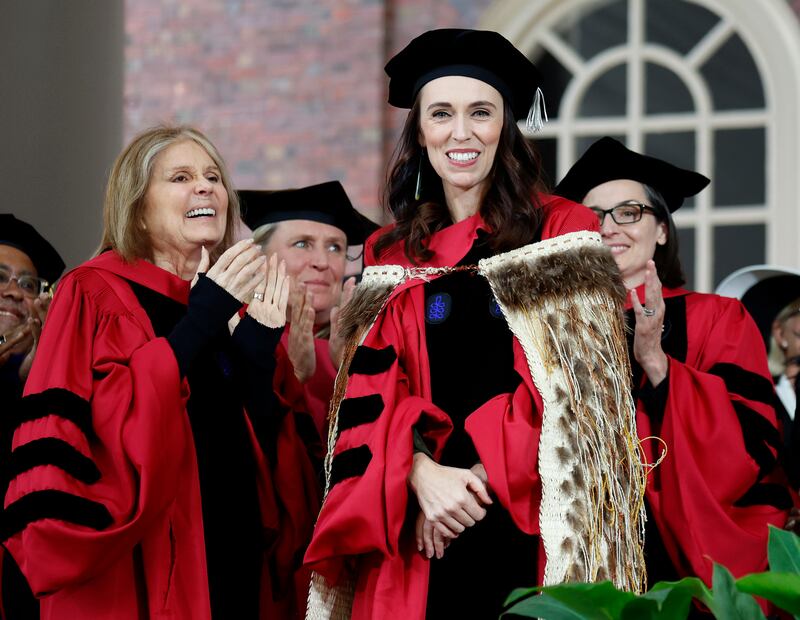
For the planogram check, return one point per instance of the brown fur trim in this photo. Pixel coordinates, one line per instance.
(363, 307)
(589, 269)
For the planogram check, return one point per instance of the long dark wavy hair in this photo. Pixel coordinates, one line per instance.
(510, 206)
(666, 257)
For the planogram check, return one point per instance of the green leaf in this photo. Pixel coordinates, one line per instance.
(590, 598)
(784, 551)
(570, 601)
(669, 600)
(517, 594)
(548, 608)
(727, 602)
(783, 589)
(643, 609)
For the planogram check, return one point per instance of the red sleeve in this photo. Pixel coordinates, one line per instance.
(101, 443)
(370, 257)
(295, 484)
(366, 505)
(563, 216)
(713, 495)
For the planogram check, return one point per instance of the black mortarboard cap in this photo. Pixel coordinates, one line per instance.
(25, 238)
(326, 202)
(479, 54)
(609, 160)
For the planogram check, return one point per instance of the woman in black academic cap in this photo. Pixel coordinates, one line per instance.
(700, 376)
(310, 229)
(452, 423)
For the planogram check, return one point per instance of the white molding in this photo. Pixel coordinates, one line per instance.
(770, 30)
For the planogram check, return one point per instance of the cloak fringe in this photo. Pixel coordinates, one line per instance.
(564, 300)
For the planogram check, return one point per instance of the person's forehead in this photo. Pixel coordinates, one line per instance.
(310, 228)
(794, 321)
(16, 260)
(613, 192)
(183, 153)
(458, 88)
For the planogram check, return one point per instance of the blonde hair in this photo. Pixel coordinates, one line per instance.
(777, 359)
(129, 180)
(263, 234)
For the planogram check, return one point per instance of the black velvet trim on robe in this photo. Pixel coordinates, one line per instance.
(359, 410)
(52, 504)
(369, 361)
(350, 463)
(56, 452)
(759, 434)
(746, 384)
(58, 402)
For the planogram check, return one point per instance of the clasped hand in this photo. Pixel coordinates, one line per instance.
(451, 499)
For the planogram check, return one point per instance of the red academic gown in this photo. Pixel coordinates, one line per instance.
(104, 513)
(312, 397)
(715, 492)
(364, 520)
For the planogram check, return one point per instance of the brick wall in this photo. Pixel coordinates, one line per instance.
(291, 91)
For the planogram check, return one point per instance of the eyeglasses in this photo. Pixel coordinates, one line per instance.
(625, 213)
(31, 286)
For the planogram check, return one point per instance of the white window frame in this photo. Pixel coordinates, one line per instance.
(771, 32)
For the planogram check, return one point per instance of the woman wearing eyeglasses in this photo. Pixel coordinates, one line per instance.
(700, 379)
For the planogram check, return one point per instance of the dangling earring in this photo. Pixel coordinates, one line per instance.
(418, 190)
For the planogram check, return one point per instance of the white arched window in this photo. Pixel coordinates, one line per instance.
(707, 85)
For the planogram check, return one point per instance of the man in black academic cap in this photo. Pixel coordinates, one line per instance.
(29, 266)
(310, 228)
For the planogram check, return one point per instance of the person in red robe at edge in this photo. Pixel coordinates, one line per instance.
(146, 439)
(701, 380)
(464, 184)
(310, 228)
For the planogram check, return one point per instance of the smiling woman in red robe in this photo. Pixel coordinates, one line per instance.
(700, 376)
(474, 368)
(146, 443)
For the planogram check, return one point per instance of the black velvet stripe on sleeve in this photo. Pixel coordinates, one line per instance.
(654, 400)
(369, 361)
(359, 410)
(350, 463)
(53, 451)
(210, 307)
(59, 402)
(759, 436)
(53, 504)
(766, 494)
(257, 342)
(746, 384)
